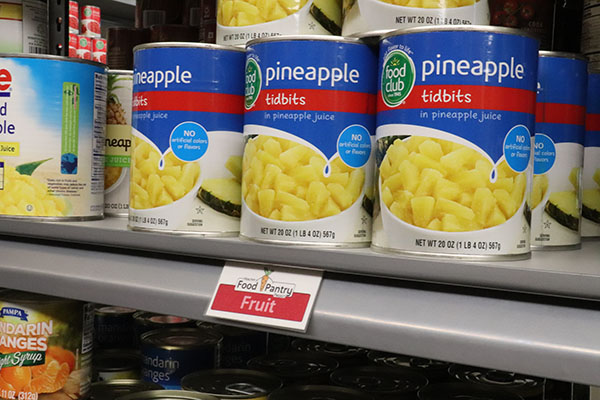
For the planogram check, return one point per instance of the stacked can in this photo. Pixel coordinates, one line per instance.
(590, 225)
(99, 50)
(73, 17)
(90, 21)
(308, 156)
(84, 47)
(558, 155)
(455, 116)
(73, 44)
(187, 146)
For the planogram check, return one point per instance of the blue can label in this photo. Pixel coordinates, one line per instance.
(187, 122)
(590, 225)
(309, 124)
(167, 367)
(455, 116)
(558, 153)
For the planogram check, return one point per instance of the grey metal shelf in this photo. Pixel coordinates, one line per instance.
(555, 338)
(573, 274)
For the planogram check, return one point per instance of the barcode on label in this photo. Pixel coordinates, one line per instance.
(36, 50)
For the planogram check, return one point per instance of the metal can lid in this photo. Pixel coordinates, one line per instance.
(117, 360)
(229, 331)
(110, 390)
(304, 38)
(371, 38)
(318, 392)
(522, 385)
(160, 320)
(181, 338)
(53, 58)
(562, 54)
(433, 369)
(379, 380)
(231, 383)
(463, 391)
(294, 365)
(114, 310)
(191, 45)
(461, 28)
(167, 395)
(338, 351)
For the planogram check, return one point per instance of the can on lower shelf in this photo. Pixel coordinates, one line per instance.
(381, 382)
(526, 387)
(51, 163)
(187, 145)
(590, 224)
(318, 392)
(170, 354)
(146, 321)
(435, 371)
(558, 156)
(46, 345)
(114, 327)
(167, 395)
(24, 27)
(232, 383)
(455, 120)
(239, 344)
(308, 160)
(448, 391)
(295, 368)
(115, 364)
(346, 356)
(113, 389)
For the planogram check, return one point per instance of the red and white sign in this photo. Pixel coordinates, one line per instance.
(265, 295)
(90, 21)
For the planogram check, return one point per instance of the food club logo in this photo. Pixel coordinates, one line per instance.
(265, 285)
(5, 83)
(397, 78)
(253, 83)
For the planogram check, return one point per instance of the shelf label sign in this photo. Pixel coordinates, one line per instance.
(265, 295)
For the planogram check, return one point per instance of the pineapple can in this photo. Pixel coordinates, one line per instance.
(455, 120)
(46, 347)
(368, 15)
(558, 155)
(590, 224)
(240, 21)
(187, 123)
(117, 145)
(52, 146)
(309, 127)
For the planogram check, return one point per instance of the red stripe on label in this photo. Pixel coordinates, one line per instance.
(188, 101)
(262, 305)
(315, 100)
(466, 97)
(592, 122)
(556, 113)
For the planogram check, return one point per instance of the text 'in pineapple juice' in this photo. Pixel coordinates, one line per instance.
(309, 127)
(52, 119)
(558, 158)
(186, 163)
(455, 119)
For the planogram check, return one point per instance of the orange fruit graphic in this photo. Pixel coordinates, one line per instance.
(18, 377)
(5, 385)
(62, 356)
(50, 381)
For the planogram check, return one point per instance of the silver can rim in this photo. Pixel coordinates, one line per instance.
(562, 54)
(186, 45)
(305, 38)
(461, 28)
(120, 72)
(54, 58)
(167, 395)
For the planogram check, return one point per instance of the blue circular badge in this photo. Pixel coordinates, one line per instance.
(517, 148)
(544, 154)
(189, 141)
(354, 146)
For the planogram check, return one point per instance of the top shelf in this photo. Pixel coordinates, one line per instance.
(574, 274)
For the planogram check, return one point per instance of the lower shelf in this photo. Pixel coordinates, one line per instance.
(549, 337)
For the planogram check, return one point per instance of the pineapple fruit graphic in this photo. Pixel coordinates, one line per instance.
(115, 115)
